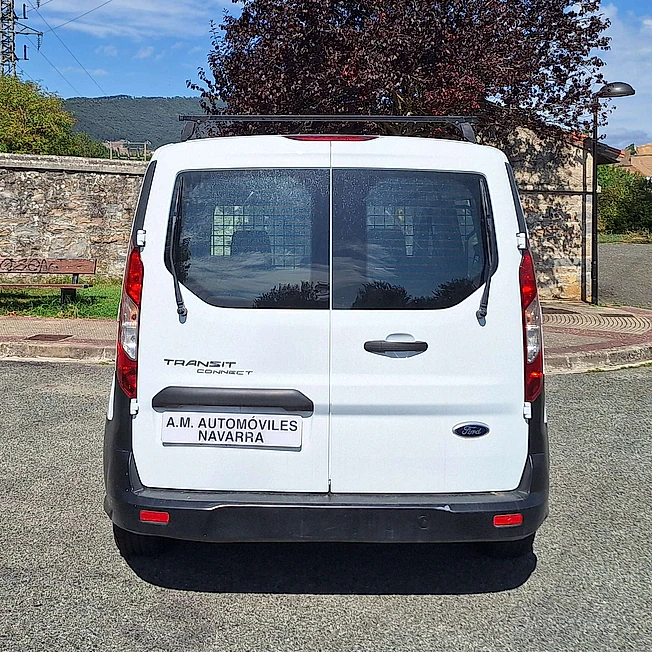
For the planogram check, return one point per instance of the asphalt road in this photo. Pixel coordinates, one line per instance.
(625, 274)
(63, 585)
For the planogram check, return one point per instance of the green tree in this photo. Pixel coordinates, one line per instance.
(625, 203)
(82, 144)
(33, 121)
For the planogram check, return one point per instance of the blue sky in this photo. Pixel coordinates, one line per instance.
(151, 47)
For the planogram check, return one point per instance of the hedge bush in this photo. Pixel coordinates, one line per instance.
(625, 203)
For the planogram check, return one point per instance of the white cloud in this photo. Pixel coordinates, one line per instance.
(196, 49)
(78, 70)
(624, 137)
(151, 18)
(144, 53)
(629, 60)
(107, 50)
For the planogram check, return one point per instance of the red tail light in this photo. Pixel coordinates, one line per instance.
(322, 137)
(532, 329)
(128, 319)
(134, 275)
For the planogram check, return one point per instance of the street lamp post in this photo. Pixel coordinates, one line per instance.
(615, 89)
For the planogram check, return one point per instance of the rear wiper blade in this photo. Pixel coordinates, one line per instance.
(481, 313)
(182, 311)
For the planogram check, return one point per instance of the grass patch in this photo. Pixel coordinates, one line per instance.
(635, 237)
(99, 302)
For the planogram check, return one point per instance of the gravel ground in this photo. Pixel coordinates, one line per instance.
(64, 586)
(625, 274)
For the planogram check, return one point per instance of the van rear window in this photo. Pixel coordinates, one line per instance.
(255, 238)
(402, 239)
(405, 239)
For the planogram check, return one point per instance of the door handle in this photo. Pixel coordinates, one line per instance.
(383, 346)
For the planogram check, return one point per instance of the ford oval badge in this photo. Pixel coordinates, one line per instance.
(471, 430)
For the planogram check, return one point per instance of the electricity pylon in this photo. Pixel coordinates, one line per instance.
(11, 26)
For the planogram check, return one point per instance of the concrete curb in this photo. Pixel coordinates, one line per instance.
(605, 359)
(61, 352)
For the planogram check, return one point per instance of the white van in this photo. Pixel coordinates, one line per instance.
(328, 338)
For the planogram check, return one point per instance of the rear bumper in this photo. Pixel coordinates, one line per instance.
(224, 517)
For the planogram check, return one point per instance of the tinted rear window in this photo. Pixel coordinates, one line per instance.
(406, 239)
(402, 239)
(255, 238)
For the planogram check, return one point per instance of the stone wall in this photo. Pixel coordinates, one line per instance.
(555, 189)
(558, 233)
(65, 207)
(59, 207)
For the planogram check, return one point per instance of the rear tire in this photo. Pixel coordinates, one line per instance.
(138, 545)
(509, 549)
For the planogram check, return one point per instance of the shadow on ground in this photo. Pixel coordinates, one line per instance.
(316, 568)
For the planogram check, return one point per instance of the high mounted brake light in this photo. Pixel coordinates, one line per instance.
(324, 137)
(128, 320)
(532, 329)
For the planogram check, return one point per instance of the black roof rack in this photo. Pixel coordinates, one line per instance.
(463, 123)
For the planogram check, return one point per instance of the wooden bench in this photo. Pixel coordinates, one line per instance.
(49, 267)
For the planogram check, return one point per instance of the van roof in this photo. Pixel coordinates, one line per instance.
(456, 154)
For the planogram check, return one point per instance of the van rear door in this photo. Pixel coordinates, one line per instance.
(410, 361)
(252, 355)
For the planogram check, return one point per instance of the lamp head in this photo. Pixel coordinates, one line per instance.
(616, 89)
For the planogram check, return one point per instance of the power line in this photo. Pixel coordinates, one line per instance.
(52, 29)
(60, 73)
(69, 50)
(72, 20)
(25, 72)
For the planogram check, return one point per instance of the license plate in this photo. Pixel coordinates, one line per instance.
(228, 429)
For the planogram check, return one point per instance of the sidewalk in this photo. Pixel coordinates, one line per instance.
(91, 340)
(578, 337)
